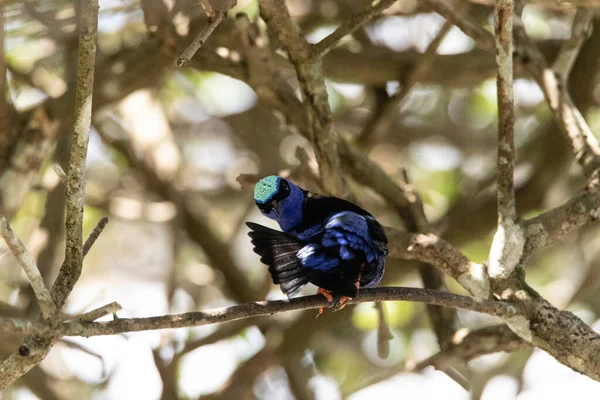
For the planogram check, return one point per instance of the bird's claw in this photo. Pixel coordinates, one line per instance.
(342, 303)
(327, 295)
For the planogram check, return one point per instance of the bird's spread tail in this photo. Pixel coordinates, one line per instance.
(279, 251)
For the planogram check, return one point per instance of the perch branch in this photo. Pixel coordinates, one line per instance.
(258, 309)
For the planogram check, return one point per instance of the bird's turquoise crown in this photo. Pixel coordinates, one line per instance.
(266, 188)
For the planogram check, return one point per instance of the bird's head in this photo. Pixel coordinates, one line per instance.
(281, 200)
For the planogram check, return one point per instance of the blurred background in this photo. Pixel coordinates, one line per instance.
(168, 145)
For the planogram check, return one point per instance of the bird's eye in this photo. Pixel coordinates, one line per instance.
(265, 207)
(283, 192)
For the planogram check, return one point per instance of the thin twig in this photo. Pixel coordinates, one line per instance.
(351, 25)
(40, 289)
(383, 118)
(60, 173)
(71, 269)
(100, 312)
(383, 332)
(193, 47)
(208, 10)
(94, 235)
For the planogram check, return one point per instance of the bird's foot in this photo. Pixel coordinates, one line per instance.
(327, 295)
(342, 303)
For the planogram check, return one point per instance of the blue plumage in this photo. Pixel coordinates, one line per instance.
(327, 241)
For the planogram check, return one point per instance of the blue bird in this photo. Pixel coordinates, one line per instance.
(329, 242)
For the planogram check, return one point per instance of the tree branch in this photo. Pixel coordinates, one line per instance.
(71, 269)
(94, 235)
(350, 25)
(100, 312)
(17, 247)
(320, 128)
(507, 245)
(77, 327)
(431, 249)
(552, 225)
(193, 47)
(34, 348)
(503, 17)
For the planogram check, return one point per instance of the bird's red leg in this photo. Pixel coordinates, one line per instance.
(327, 295)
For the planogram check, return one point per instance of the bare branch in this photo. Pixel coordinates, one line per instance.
(100, 312)
(261, 308)
(554, 224)
(82, 326)
(220, 15)
(40, 289)
(94, 235)
(503, 22)
(34, 348)
(208, 10)
(433, 250)
(71, 269)
(350, 25)
(508, 242)
(317, 112)
(60, 173)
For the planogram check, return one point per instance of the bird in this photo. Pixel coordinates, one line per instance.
(327, 241)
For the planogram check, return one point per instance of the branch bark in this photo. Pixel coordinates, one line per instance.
(193, 47)
(77, 327)
(76, 178)
(34, 348)
(320, 128)
(31, 269)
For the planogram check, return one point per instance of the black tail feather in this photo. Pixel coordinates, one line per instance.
(278, 250)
